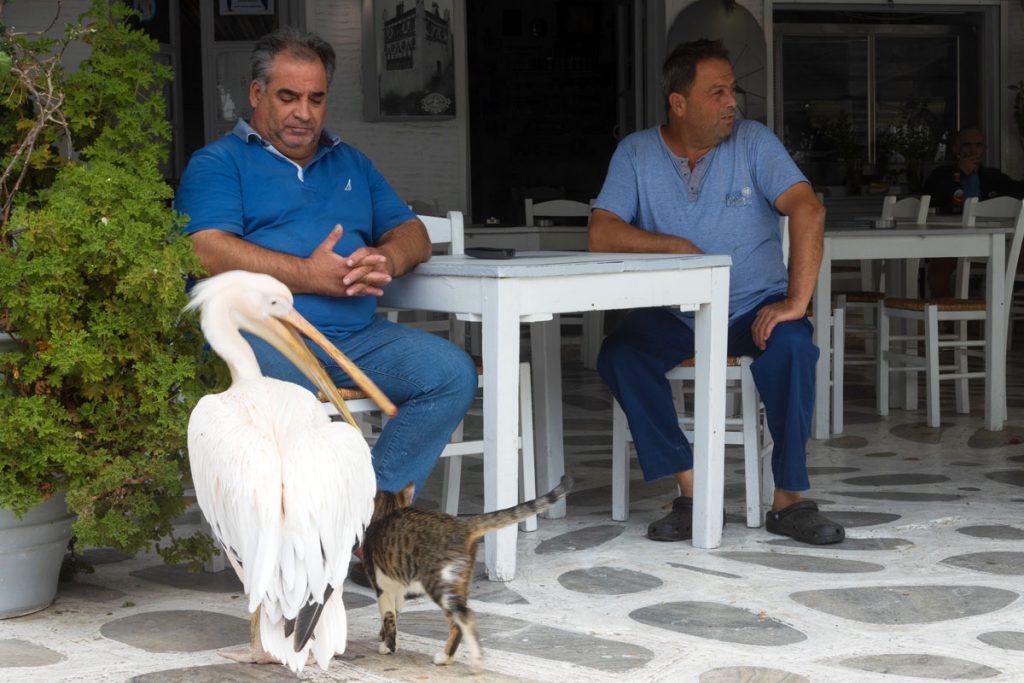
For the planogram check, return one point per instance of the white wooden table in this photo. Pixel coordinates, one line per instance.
(915, 242)
(537, 285)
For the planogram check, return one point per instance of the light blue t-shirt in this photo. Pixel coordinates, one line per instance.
(241, 185)
(729, 207)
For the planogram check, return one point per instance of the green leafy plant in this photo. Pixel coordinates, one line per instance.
(849, 147)
(95, 394)
(913, 138)
(838, 132)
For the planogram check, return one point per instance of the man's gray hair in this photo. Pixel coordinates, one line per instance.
(680, 68)
(291, 41)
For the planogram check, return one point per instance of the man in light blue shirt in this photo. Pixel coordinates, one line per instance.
(281, 195)
(708, 183)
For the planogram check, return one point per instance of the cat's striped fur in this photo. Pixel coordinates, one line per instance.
(412, 551)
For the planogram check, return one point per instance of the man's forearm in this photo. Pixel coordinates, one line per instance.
(221, 251)
(609, 233)
(405, 246)
(806, 247)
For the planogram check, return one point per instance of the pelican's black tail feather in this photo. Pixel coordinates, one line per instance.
(305, 621)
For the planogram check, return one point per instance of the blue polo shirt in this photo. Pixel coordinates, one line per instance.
(242, 185)
(726, 205)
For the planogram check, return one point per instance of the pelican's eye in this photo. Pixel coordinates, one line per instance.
(278, 305)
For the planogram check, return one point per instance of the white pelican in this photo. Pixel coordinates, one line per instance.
(286, 491)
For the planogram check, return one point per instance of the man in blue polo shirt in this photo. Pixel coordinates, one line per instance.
(707, 183)
(281, 195)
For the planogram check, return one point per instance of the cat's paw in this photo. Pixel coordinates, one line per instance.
(477, 664)
(441, 659)
(383, 649)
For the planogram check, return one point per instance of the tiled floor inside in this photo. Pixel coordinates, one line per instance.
(927, 585)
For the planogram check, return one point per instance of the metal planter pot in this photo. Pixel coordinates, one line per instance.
(31, 551)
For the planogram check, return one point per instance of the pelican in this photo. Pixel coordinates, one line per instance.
(286, 491)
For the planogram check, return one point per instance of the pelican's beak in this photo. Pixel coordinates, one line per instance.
(283, 333)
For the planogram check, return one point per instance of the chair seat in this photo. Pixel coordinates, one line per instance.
(941, 304)
(863, 297)
(731, 361)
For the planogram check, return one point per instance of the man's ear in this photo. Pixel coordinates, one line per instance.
(677, 103)
(255, 92)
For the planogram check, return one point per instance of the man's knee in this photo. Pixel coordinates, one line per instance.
(793, 338)
(460, 374)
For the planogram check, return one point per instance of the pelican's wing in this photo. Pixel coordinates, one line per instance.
(329, 484)
(236, 471)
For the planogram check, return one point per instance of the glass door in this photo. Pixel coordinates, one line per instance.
(871, 108)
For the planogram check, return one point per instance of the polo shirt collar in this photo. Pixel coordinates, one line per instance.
(247, 134)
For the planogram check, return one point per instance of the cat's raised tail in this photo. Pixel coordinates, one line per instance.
(490, 521)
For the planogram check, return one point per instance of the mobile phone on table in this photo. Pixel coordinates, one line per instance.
(491, 252)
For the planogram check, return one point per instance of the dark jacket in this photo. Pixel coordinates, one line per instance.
(994, 183)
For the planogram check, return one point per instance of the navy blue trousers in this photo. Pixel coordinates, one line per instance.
(635, 357)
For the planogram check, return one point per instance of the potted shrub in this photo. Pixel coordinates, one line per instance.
(912, 138)
(849, 148)
(100, 369)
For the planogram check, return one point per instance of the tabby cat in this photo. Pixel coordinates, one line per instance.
(411, 551)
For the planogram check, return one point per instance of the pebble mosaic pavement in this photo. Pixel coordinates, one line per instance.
(927, 585)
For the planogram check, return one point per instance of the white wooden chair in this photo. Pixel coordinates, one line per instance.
(555, 208)
(592, 321)
(869, 299)
(749, 429)
(448, 231)
(930, 312)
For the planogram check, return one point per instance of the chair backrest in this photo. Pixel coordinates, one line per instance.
(448, 230)
(908, 208)
(1005, 210)
(997, 208)
(556, 208)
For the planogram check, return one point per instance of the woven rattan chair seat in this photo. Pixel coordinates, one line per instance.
(863, 297)
(941, 304)
(731, 361)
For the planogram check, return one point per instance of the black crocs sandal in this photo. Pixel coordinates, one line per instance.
(676, 525)
(803, 522)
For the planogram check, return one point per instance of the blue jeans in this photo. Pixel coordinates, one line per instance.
(649, 342)
(432, 381)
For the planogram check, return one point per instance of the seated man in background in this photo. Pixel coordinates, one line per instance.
(708, 183)
(281, 195)
(950, 186)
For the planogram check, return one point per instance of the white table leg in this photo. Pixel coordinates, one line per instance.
(995, 333)
(711, 332)
(546, 359)
(823, 340)
(500, 342)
